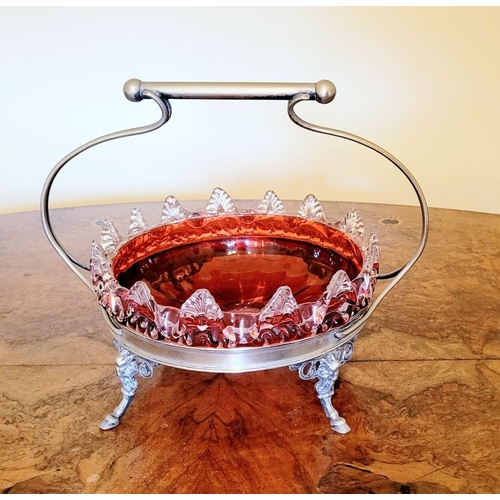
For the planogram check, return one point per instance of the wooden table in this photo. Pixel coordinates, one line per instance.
(421, 393)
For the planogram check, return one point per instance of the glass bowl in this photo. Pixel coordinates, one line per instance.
(227, 278)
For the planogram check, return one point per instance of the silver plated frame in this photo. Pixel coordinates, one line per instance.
(316, 357)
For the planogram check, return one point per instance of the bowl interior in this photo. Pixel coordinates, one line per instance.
(240, 259)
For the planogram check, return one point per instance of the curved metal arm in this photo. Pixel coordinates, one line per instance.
(71, 261)
(398, 274)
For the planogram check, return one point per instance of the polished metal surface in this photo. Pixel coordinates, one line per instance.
(396, 275)
(128, 367)
(326, 369)
(74, 264)
(238, 360)
(323, 91)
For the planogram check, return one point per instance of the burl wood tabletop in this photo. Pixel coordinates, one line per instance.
(421, 392)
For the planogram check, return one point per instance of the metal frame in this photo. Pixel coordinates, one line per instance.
(317, 357)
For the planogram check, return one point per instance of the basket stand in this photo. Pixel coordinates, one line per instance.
(316, 358)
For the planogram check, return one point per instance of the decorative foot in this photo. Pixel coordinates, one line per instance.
(128, 366)
(326, 370)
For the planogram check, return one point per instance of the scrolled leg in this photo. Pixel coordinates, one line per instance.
(326, 369)
(128, 366)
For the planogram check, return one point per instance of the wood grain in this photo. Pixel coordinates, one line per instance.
(421, 394)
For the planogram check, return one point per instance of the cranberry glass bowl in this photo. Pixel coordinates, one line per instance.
(228, 278)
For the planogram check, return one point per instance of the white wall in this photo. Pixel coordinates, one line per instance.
(424, 83)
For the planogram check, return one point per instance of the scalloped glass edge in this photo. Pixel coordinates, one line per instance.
(200, 321)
